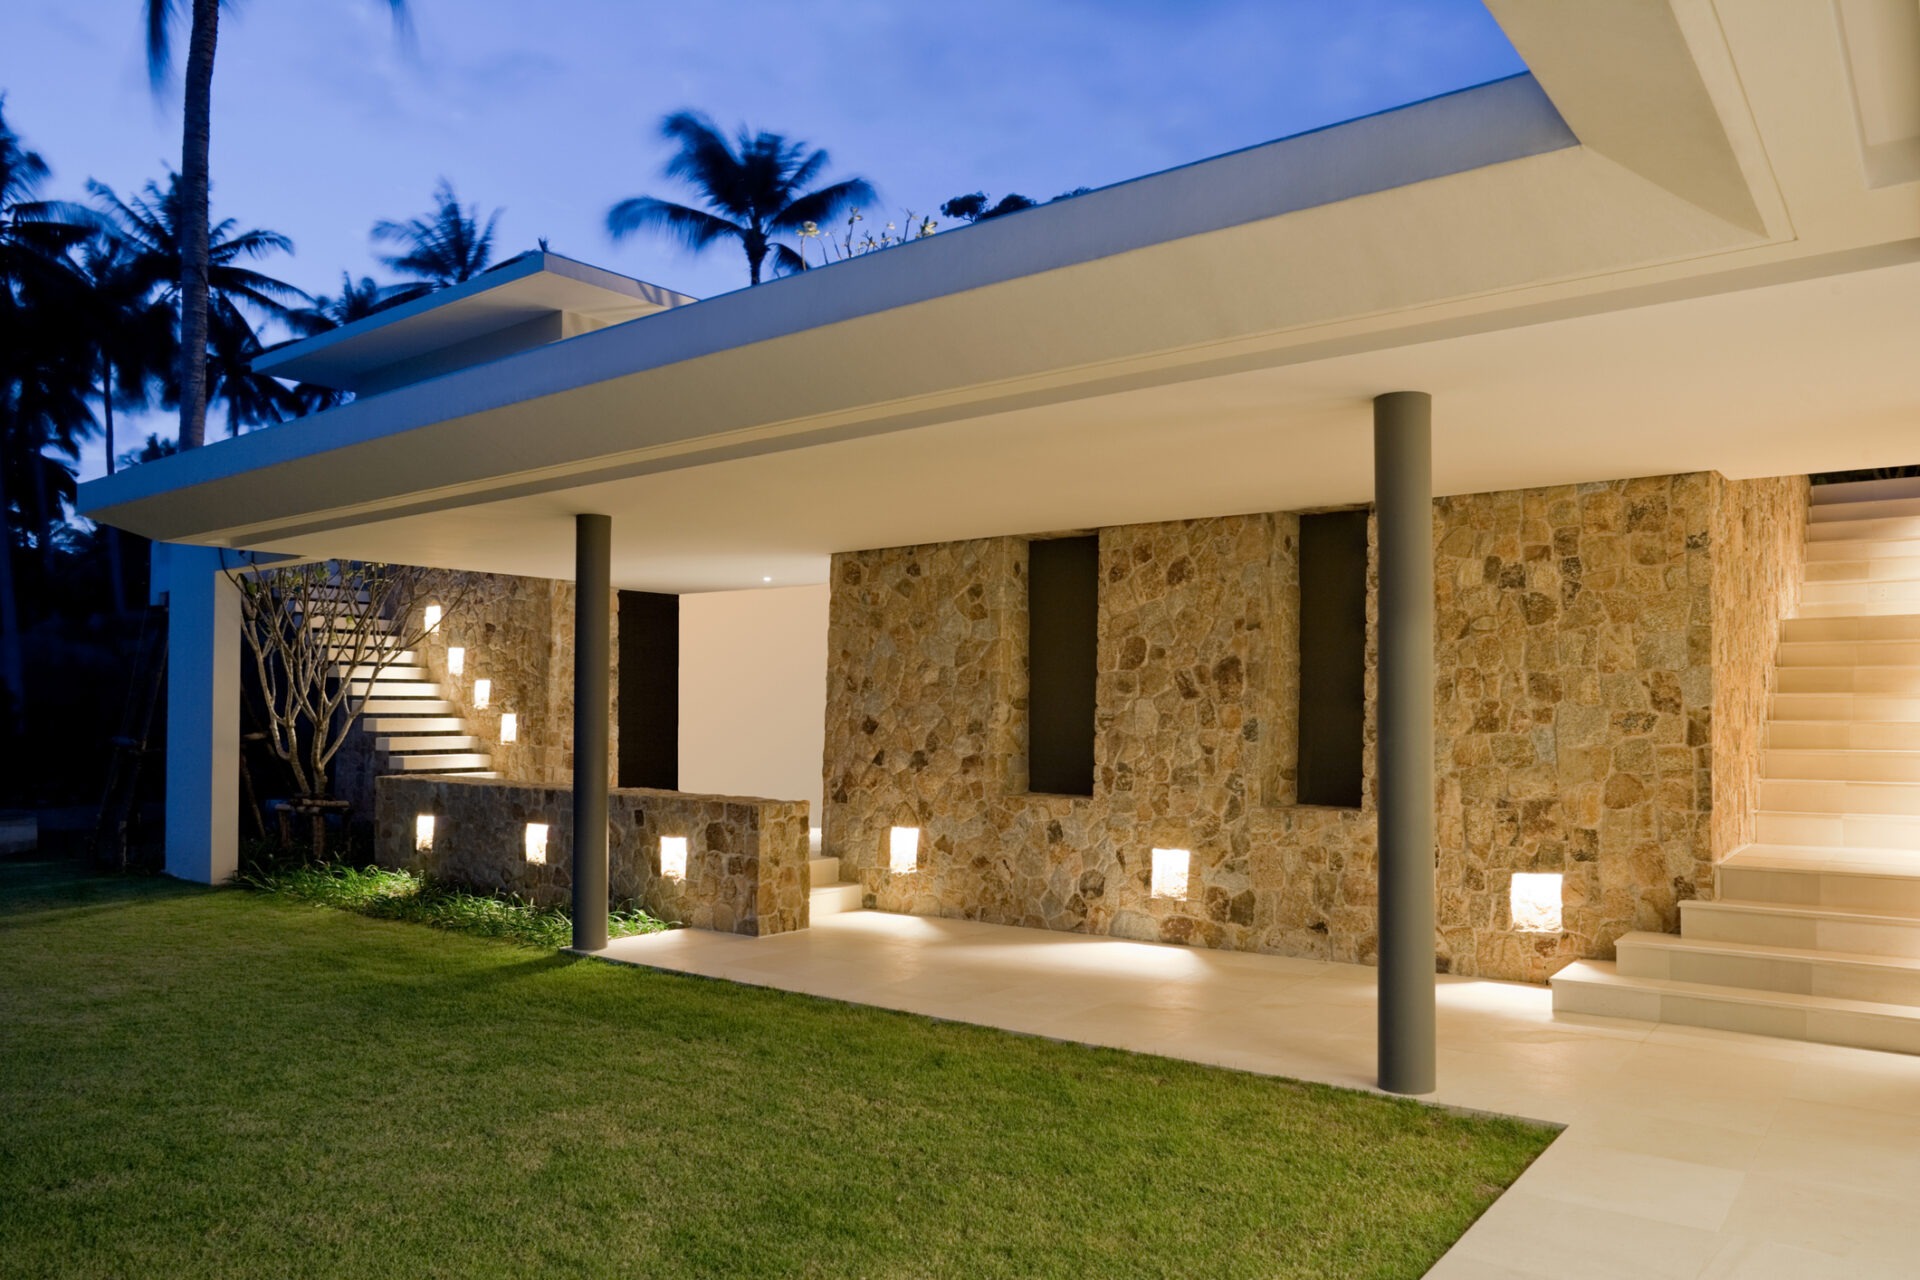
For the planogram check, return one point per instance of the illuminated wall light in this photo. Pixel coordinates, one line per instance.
(1535, 902)
(509, 726)
(456, 660)
(673, 857)
(903, 850)
(482, 694)
(423, 833)
(1170, 868)
(537, 842)
(433, 616)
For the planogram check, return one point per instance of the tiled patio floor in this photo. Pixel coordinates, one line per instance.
(1687, 1153)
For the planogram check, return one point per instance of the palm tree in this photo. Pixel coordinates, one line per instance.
(356, 300)
(196, 264)
(447, 246)
(129, 327)
(754, 187)
(43, 385)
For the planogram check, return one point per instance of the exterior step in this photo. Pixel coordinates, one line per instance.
(823, 871)
(1850, 491)
(430, 763)
(1843, 735)
(1596, 987)
(1863, 567)
(832, 899)
(1770, 924)
(395, 688)
(1888, 507)
(1827, 795)
(1881, 979)
(1900, 596)
(1900, 681)
(1850, 653)
(378, 722)
(1842, 549)
(1844, 765)
(1860, 626)
(1854, 881)
(392, 671)
(386, 706)
(427, 742)
(1863, 830)
(1851, 527)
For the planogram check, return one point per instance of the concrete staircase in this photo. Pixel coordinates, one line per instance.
(1814, 931)
(415, 727)
(827, 893)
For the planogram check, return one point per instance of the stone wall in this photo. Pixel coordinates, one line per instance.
(1575, 702)
(746, 858)
(1761, 530)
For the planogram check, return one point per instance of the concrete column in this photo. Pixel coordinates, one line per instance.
(1403, 501)
(592, 698)
(203, 716)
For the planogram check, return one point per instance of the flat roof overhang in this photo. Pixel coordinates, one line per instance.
(1245, 307)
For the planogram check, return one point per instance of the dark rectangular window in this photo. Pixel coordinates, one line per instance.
(1333, 657)
(649, 690)
(1063, 621)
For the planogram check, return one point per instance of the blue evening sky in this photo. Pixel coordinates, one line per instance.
(323, 123)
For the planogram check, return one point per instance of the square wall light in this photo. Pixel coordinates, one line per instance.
(1170, 868)
(482, 694)
(673, 857)
(456, 660)
(509, 726)
(423, 833)
(432, 617)
(1535, 902)
(537, 842)
(903, 850)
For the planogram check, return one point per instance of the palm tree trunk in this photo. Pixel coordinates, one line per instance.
(194, 144)
(116, 573)
(12, 675)
(106, 405)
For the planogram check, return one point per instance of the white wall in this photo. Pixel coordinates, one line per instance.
(753, 693)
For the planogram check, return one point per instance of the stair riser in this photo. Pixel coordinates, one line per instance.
(1881, 605)
(1880, 708)
(1849, 492)
(438, 764)
(1876, 528)
(1813, 735)
(383, 676)
(1855, 1030)
(411, 706)
(395, 688)
(833, 899)
(1867, 569)
(1841, 766)
(822, 872)
(1863, 627)
(1868, 894)
(378, 724)
(1838, 981)
(1808, 931)
(438, 742)
(1853, 830)
(1899, 682)
(1865, 507)
(1851, 653)
(1825, 796)
(1864, 549)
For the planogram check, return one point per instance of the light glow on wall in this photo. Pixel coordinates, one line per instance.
(537, 842)
(456, 660)
(1170, 868)
(423, 833)
(903, 850)
(433, 617)
(482, 694)
(673, 857)
(509, 726)
(1535, 902)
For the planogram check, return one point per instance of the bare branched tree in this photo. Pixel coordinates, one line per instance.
(317, 633)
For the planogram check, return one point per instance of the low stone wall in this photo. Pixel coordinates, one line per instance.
(746, 858)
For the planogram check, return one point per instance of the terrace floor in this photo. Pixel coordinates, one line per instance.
(1687, 1153)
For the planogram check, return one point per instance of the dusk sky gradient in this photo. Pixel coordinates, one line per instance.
(323, 123)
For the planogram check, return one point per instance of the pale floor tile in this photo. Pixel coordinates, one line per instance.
(1688, 1152)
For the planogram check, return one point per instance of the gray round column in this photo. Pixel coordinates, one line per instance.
(592, 696)
(1403, 502)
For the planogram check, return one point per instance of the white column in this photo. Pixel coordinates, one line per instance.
(203, 716)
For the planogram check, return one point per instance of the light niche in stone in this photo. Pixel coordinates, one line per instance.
(1169, 875)
(1534, 901)
(482, 694)
(456, 660)
(903, 850)
(509, 727)
(432, 617)
(537, 843)
(673, 857)
(423, 833)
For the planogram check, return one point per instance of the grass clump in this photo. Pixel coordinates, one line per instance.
(417, 899)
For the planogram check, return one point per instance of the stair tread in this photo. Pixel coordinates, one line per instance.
(1605, 973)
(1822, 859)
(1750, 907)
(1680, 942)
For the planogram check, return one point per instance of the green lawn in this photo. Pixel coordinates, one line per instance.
(202, 1082)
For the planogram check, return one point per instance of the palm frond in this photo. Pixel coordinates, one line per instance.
(694, 228)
